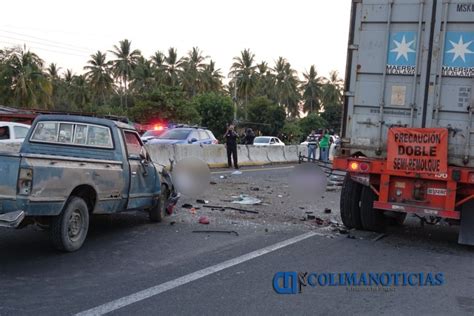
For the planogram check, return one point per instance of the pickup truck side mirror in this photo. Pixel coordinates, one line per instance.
(193, 140)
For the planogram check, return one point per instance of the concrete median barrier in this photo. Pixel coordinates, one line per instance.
(258, 155)
(291, 153)
(161, 153)
(216, 155)
(276, 154)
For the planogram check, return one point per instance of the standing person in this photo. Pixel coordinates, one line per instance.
(231, 146)
(324, 146)
(249, 137)
(312, 140)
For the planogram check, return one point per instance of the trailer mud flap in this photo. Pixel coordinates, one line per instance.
(466, 231)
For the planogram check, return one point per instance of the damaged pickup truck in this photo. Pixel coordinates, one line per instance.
(70, 167)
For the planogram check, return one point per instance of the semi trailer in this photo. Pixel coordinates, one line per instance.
(407, 132)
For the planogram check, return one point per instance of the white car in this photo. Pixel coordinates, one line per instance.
(267, 141)
(11, 132)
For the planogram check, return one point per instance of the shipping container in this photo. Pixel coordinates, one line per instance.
(410, 64)
(407, 130)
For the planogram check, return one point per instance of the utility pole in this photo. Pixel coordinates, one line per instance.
(235, 100)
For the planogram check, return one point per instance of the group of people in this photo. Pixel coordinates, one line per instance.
(322, 141)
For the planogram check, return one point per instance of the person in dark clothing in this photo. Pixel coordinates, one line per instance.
(249, 137)
(231, 145)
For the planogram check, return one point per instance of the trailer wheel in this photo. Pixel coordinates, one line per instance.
(69, 229)
(371, 219)
(349, 203)
(158, 212)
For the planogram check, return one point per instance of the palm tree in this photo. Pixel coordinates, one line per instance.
(53, 75)
(80, 91)
(332, 90)
(243, 72)
(29, 86)
(172, 64)
(123, 65)
(143, 77)
(192, 67)
(211, 78)
(265, 82)
(312, 90)
(286, 85)
(99, 77)
(158, 66)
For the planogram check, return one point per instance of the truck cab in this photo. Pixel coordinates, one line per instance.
(71, 167)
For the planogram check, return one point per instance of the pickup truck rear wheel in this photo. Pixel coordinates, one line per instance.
(371, 219)
(158, 212)
(350, 203)
(69, 229)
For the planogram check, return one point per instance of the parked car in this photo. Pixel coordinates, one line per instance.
(151, 134)
(70, 167)
(185, 135)
(267, 141)
(11, 132)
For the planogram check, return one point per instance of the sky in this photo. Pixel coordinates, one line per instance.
(305, 32)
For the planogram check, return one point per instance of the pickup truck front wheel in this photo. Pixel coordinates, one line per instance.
(69, 229)
(158, 212)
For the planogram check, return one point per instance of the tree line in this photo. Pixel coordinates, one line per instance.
(187, 88)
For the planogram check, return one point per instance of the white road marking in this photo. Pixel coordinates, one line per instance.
(158, 289)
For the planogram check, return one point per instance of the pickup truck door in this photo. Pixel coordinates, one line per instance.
(144, 185)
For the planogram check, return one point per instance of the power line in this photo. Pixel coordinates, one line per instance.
(46, 40)
(39, 43)
(44, 49)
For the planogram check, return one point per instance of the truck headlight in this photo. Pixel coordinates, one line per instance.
(25, 181)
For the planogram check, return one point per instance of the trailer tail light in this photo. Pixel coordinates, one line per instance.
(357, 166)
(25, 181)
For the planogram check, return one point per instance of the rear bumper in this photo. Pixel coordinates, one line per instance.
(12, 219)
(415, 209)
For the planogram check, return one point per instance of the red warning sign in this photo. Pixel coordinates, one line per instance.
(420, 150)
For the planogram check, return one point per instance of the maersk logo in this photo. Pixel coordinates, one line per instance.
(458, 59)
(401, 59)
(465, 7)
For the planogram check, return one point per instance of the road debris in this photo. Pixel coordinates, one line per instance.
(204, 220)
(223, 177)
(230, 208)
(187, 206)
(327, 210)
(246, 200)
(378, 237)
(200, 201)
(310, 217)
(217, 231)
(254, 189)
(213, 183)
(236, 173)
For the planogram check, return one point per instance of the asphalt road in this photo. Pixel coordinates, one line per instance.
(130, 266)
